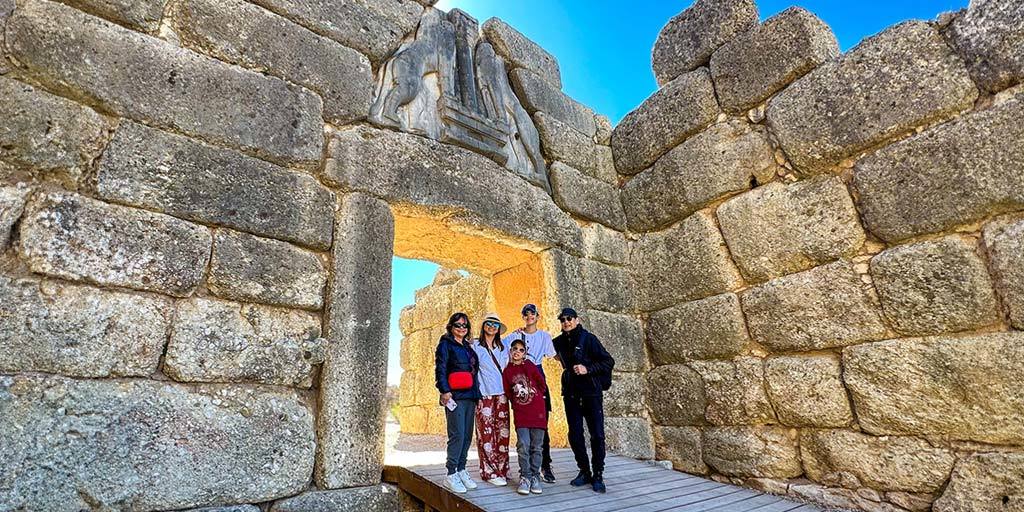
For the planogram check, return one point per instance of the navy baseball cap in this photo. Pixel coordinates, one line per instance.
(529, 308)
(567, 313)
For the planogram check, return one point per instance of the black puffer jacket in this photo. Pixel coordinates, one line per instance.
(579, 346)
(450, 357)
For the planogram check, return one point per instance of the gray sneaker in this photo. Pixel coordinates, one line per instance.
(524, 486)
(535, 485)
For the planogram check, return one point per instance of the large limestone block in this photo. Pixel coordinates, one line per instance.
(141, 15)
(157, 170)
(233, 508)
(963, 388)
(709, 328)
(413, 419)
(766, 58)
(688, 261)
(433, 306)
(74, 237)
(253, 269)
(886, 86)
(353, 387)
(242, 33)
(681, 446)
(807, 391)
(779, 229)
(587, 197)
(48, 133)
(1004, 243)
(758, 452)
(421, 349)
(374, 27)
(621, 335)
(819, 308)
(723, 160)
(563, 278)
(845, 458)
(953, 174)
(606, 288)
(471, 188)
(735, 391)
(520, 52)
(687, 41)
(989, 36)
(629, 437)
(12, 206)
(561, 142)
(221, 341)
(437, 423)
(675, 395)
(373, 498)
(170, 87)
(407, 388)
(604, 244)
(139, 445)
(626, 397)
(985, 482)
(935, 287)
(537, 94)
(405, 318)
(51, 327)
(678, 110)
(425, 390)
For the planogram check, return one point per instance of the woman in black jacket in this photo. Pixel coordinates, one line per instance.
(456, 369)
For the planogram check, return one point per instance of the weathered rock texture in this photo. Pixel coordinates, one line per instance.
(889, 84)
(73, 237)
(688, 39)
(144, 445)
(196, 229)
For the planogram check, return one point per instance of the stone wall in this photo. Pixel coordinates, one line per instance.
(197, 220)
(827, 254)
(807, 265)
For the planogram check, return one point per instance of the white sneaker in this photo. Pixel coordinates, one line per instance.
(535, 485)
(524, 486)
(466, 480)
(498, 481)
(454, 483)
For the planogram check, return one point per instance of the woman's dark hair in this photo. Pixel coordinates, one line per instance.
(455, 318)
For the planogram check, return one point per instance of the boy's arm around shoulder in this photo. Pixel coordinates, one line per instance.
(537, 377)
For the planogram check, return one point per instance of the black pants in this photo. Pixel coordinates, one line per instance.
(591, 409)
(546, 450)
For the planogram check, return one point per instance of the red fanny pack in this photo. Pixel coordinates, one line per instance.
(459, 381)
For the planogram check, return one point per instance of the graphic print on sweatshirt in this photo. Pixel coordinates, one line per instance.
(522, 389)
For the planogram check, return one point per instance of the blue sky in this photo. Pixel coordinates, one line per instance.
(604, 51)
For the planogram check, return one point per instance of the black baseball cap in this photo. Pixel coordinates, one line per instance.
(567, 313)
(529, 308)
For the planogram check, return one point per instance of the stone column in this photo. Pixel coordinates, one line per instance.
(350, 424)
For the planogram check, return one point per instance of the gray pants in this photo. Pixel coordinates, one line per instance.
(530, 445)
(460, 434)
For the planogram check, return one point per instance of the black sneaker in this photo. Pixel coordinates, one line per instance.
(547, 475)
(582, 479)
(598, 482)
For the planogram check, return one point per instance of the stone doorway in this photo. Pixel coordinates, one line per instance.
(495, 276)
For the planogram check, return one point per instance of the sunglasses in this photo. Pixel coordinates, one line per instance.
(492, 324)
(564, 319)
(518, 349)
(460, 326)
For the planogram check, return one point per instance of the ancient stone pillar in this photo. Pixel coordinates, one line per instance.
(350, 424)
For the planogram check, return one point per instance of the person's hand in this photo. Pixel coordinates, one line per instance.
(444, 398)
(580, 369)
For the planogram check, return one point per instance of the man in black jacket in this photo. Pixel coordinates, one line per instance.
(586, 373)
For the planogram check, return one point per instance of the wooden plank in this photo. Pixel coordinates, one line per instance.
(433, 495)
(806, 508)
(622, 474)
(651, 501)
(587, 498)
(557, 466)
(619, 498)
(749, 504)
(740, 495)
(783, 505)
(551, 494)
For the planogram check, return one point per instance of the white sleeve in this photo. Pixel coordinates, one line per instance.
(549, 345)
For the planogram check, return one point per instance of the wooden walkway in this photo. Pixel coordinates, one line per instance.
(633, 485)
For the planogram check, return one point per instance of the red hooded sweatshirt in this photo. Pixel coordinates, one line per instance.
(525, 387)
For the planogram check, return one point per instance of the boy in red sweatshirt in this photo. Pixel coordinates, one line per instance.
(525, 387)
